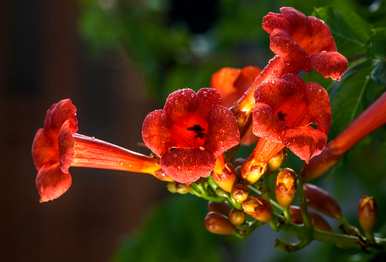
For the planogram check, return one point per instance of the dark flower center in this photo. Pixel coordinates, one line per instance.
(281, 116)
(198, 130)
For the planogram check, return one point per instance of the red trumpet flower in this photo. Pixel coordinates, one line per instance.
(305, 42)
(190, 132)
(293, 113)
(231, 83)
(57, 147)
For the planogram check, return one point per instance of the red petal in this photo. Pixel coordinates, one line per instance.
(66, 146)
(206, 99)
(278, 90)
(155, 134)
(319, 106)
(179, 103)
(305, 142)
(59, 113)
(329, 64)
(51, 182)
(246, 77)
(223, 131)
(223, 81)
(264, 124)
(187, 165)
(44, 149)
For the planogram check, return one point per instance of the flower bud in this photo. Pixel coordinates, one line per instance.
(172, 188)
(285, 187)
(236, 217)
(182, 188)
(367, 212)
(276, 161)
(239, 193)
(317, 220)
(220, 208)
(253, 170)
(223, 175)
(218, 224)
(322, 201)
(258, 208)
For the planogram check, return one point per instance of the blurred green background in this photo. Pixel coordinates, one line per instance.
(129, 56)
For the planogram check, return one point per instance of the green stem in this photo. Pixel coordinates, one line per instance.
(272, 202)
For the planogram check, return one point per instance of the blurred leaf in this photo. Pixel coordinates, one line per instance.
(377, 44)
(174, 233)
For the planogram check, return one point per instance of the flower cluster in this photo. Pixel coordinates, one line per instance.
(195, 139)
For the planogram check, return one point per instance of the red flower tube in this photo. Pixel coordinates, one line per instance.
(57, 147)
(190, 132)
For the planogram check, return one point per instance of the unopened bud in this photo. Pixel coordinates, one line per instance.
(367, 212)
(218, 224)
(236, 217)
(285, 189)
(322, 201)
(221, 208)
(223, 175)
(239, 193)
(181, 188)
(317, 220)
(258, 208)
(253, 170)
(276, 161)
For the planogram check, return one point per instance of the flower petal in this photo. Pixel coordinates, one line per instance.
(66, 146)
(319, 107)
(223, 131)
(51, 182)
(180, 103)
(305, 142)
(155, 133)
(58, 113)
(44, 149)
(329, 64)
(187, 165)
(206, 99)
(263, 124)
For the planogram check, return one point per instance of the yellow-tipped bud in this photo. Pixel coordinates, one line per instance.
(236, 217)
(221, 208)
(182, 188)
(239, 193)
(252, 170)
(171, 187)
(367, 213)
(218, 224)
(258, 208)
(276, 161)
(322, 201)
(317, 220)
(285, 189)
(223, 175)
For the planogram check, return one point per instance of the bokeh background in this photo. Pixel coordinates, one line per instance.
(117, 60)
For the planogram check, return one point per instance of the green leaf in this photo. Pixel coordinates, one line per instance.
(377, 43)
(174, 232)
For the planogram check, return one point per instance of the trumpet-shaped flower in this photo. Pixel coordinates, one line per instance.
(189, 133)
(305, 42)
(293, 113)
(56, 147)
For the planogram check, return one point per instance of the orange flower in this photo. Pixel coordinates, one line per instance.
(57, 147)
(190, 132)
(305, 42)
(293, 113)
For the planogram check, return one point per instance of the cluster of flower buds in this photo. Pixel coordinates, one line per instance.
(195, 135)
